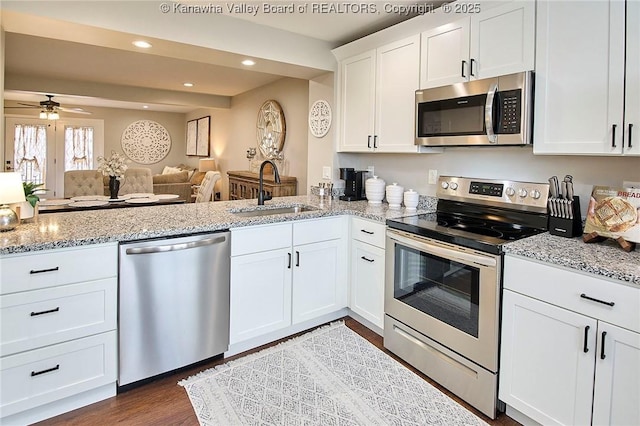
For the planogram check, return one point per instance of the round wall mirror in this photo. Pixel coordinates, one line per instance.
(271, 129)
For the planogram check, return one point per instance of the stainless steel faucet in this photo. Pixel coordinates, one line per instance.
(262, 196)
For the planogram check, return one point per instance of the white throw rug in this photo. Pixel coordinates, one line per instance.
(329, 376)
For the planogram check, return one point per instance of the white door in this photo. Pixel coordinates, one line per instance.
(547, 361)
(617, 385)
(632, 99)
(445, 54)
(397, 79)
(503, 40)
(260, 294)
(579, 77)
(319, 285)
(48, 162)
(367, 282)
(357, 102)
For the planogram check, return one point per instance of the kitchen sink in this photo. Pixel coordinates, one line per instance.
(273, 210)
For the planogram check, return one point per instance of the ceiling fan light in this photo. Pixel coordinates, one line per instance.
(53, 115)
(43, 115)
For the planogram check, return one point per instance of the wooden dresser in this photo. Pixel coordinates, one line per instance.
(244, 185)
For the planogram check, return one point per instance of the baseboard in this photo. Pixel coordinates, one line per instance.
(371, 326)
(520, 418)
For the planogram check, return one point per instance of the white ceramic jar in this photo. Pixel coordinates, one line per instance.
(411, 199)
(394, 195)
(374, 190)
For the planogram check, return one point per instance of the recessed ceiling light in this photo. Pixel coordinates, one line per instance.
(187, 84)
(145, 106)
(248, 62)
(142, 44)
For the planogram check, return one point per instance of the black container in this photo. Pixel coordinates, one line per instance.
(567, 227)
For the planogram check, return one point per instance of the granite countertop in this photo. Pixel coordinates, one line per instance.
(605, 258)
(56, 230)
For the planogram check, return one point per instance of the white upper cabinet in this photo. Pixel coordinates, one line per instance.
(580, 77)
(632, 96)
(378, 98)
(484, 44)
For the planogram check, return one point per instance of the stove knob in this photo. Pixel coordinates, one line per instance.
(522, 193)
(510, 191)
(444, 185)
(535, 194)
(453, 186)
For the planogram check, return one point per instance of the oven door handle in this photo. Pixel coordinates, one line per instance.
(443, 252)
(488, 113)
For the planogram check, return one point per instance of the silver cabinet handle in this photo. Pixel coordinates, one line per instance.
(176, 247)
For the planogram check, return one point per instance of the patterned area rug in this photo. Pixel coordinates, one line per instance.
(329, 376)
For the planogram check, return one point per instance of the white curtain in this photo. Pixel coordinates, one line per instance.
(30, 148)
(78, 148)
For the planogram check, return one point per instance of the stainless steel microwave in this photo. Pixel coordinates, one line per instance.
(491, 111)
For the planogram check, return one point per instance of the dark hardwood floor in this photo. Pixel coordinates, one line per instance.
(163, 402)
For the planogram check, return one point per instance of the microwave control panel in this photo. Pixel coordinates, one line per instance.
(510, 110)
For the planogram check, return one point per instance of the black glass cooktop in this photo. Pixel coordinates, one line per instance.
(481, 229)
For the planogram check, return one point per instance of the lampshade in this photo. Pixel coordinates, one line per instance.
(11, 190)
(207, 164)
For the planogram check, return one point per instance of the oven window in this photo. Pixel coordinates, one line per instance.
(452, 117)
(441, 288)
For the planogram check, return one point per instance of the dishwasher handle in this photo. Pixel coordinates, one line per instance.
(176, 247)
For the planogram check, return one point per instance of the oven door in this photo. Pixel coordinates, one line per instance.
(448, 293)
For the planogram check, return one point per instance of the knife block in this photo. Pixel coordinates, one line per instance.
(567, 227)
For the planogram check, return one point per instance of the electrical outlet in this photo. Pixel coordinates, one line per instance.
(326, 172)
(629, 184)
(371, 170)
(433, 177)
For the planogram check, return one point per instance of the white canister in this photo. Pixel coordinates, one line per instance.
(394, 195)
(374, 190)
(411, 199)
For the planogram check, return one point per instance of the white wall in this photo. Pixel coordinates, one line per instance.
(321, 150)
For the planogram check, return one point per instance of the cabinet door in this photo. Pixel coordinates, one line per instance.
(579, 77)
(617, 384)
(357, 102)
(502, 40)
(367, 282)
(397, 79)
(632, 103)
(260, 294)
(445, 54)
(319, 285)
(545, 372)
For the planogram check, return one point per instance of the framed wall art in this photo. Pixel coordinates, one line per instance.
(202, 142)
(145, 141)
(192, 136)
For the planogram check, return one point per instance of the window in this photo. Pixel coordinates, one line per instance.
(30, 152)
(78, 148)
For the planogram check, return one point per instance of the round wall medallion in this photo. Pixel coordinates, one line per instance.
(145, 141)
(271, 129)
(320, 118)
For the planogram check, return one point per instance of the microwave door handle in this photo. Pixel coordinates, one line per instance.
(488, 113)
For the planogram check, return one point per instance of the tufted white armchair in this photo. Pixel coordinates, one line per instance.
(82, 182)
(205, 191)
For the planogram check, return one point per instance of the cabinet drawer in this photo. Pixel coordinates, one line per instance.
(255, 239)
(565, 288)
(316, 230)
(44, 317)
(49, 268)
(40, 376)
(368, 231)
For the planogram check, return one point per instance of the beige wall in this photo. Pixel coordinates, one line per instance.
(321, 151)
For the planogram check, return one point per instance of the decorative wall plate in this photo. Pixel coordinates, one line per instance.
(145, 142)
(271, 129)
(320, 118)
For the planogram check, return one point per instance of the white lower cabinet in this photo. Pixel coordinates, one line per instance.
(367, 270)
(58, 340)
(284, 274)
(563, 361)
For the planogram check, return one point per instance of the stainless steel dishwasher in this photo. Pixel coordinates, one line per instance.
(173, 306)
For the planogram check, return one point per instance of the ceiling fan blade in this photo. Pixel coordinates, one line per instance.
(75, 111)
(29, 105)
(20, 107)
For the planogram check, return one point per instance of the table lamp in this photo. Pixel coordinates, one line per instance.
(207, 164)
(11, 191)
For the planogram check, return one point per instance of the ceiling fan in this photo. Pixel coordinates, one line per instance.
(49, 108)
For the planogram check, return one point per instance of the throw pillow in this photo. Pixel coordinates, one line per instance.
(170, 170)
(197, 178)
(179, 177)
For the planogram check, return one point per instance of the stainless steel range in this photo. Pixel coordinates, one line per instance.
(444, 280)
